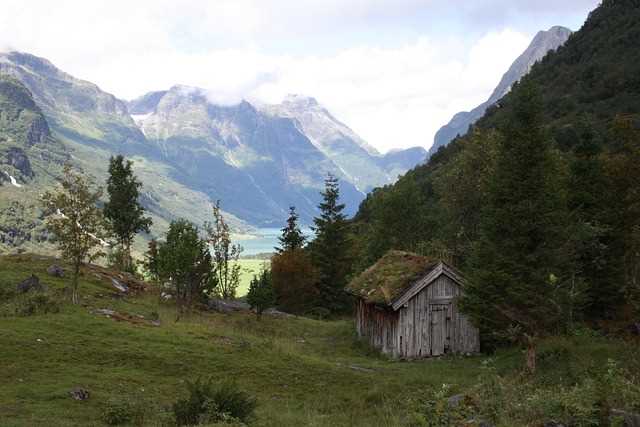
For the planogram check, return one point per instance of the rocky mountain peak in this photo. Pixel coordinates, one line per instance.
(300, 101)
(541, 44)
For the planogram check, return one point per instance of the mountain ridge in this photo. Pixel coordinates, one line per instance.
(542, 43)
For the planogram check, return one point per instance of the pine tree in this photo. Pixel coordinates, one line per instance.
(151, 260)
(123, 210)
(514, 265)
(291, 238)
(76, 222)
(624, 172)
(260, 295)
(592, 258)
(330, 249)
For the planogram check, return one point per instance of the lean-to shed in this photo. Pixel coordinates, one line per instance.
(406, 307)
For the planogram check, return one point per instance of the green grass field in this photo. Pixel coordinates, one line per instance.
(248, 269)
(303, 372)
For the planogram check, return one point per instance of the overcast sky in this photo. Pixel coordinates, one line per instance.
(393, 70)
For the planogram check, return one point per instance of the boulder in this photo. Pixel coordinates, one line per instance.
(228, 306)
(629, 419)
(79, 393)
(119, 286)
(454, 401)
(55, 271)
(277, 313)
(30, 284)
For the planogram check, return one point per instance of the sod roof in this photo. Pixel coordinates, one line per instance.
(390, 277)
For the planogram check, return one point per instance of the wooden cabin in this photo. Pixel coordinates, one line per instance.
(406, 307)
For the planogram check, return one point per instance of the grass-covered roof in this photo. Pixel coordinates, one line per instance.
(390, 277)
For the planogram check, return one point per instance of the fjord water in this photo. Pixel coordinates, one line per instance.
(264, 240)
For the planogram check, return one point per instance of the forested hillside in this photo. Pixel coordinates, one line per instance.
(547, 182)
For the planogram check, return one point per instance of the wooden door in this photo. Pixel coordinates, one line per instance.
(440, 328)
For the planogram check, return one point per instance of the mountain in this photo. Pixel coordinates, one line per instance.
(541, 44)
(87, 126)
(361, 163)
(256, 163)
(187, 150)
(29, 158)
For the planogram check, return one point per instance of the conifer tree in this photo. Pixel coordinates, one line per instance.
(514, 265)
(151, 260)
(624, 172)
(123, 210)
(260, 295)
(292, 237)
(76, 222)
(330, 248)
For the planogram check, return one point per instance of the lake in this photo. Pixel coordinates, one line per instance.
(264, 241)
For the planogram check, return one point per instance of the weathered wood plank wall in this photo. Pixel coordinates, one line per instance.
(427, 325)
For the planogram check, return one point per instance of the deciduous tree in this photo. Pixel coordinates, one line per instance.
(76, 222)
(185, 261)
(225, 255)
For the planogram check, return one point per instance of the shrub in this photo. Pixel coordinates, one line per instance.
(118, 411)
(36, 303)
(207, 403)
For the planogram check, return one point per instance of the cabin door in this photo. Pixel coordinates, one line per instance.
(440, 315)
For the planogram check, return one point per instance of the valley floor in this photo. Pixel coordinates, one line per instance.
(303, 372)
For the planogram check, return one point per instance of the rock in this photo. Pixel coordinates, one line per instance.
(17, 158)
(630, 419)
(55, 271)
(454, 401)
(119, 286)
(228, 306)
(105, 311)
(360, 368)
(30, 284)
(277, 313)
(79, 393)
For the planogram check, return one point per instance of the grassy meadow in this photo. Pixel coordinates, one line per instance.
(248, 269)
(303, 372)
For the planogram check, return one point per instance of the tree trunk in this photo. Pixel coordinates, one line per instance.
(531, 355)
(74, 283)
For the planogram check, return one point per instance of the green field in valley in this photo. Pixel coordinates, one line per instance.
(248, 269)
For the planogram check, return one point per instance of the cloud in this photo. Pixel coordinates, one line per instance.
(393, 70)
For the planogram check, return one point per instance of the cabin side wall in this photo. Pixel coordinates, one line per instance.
(378, 326)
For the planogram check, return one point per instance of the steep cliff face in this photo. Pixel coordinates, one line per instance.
(21, 120)
(361, 163)
(257, 163)
(541, 44)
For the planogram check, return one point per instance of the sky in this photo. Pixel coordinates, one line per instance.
(392, 70)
